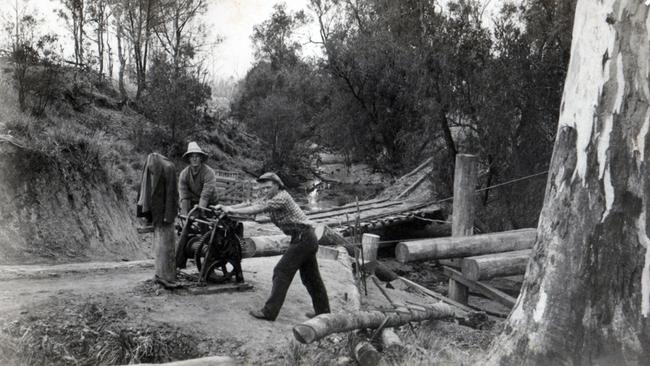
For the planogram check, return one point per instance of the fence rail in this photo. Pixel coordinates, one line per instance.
(232, 187)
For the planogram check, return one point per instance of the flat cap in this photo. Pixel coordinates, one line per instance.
(271, 177)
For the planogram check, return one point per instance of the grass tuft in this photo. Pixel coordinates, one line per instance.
(91, 333)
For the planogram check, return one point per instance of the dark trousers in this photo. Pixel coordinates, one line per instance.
(301, 255)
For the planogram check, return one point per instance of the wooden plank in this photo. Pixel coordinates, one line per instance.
(436, 295)
(409, 216)
(352, 210)
(319, 216)
(419, 167)
(482, 288)
(379, 215)
(410, 188)
(381, 223)
(348, 205)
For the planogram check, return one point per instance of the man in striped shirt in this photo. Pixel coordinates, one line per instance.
(301, 254)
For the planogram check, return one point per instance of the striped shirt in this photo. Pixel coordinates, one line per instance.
(285, 213)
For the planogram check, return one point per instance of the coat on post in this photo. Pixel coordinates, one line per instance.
(158, 194)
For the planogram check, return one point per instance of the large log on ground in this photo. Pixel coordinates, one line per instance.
(268, 245)
(465, 246)
(263, 246)
(326, 324)
(488, 266)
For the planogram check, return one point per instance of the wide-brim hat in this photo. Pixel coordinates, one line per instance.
(193, 148)
(271, 177)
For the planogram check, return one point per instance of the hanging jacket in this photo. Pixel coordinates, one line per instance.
(157, 196)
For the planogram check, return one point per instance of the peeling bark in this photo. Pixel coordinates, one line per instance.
(586, 297)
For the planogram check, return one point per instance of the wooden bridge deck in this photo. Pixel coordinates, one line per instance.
(372, 214)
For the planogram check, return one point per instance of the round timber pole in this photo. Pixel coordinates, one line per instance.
(462, 221)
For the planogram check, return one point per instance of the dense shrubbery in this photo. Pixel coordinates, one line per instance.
(280, 94)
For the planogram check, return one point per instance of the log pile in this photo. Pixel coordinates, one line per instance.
(465, 246)
(481, 257)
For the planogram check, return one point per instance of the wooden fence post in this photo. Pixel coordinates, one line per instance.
(462, 222)
(369, 245)
(165, 263)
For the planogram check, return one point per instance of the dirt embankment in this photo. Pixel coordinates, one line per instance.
(61, 210)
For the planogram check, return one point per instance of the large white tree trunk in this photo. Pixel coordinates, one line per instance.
(586, 297)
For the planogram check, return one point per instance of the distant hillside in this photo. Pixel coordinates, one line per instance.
(70, 178)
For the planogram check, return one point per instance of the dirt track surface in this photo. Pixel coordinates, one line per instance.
(223, 318)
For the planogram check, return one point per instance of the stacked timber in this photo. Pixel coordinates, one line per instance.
(465, 246)
(482, 257)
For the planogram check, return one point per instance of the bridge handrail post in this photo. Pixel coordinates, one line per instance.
(462, 222)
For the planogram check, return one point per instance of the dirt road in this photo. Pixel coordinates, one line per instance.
(30, 294)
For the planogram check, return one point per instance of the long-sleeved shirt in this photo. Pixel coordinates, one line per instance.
(198, 187)
(285, 213)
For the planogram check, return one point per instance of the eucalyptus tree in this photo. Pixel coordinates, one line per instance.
(586, 296)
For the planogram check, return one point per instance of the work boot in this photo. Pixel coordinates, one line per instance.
(259, 314)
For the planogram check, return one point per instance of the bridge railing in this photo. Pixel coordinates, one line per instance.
(232, 187)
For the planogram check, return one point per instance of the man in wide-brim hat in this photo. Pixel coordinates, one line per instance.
(197, 182)
(301, 254)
